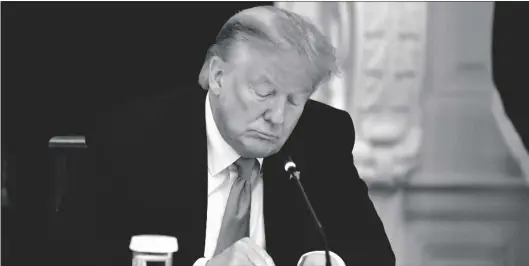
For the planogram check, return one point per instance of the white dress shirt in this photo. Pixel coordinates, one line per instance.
(221, 175)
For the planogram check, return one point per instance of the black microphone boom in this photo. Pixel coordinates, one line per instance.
(290, 167)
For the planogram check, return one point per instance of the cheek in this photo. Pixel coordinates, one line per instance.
(251, 109)
(242, 109)
(241, 97)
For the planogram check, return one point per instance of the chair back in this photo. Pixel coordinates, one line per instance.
(68, 155)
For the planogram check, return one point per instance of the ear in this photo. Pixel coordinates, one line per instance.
(216, 74)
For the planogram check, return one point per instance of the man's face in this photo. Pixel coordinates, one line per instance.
(260, 99)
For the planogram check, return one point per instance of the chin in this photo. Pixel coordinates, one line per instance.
(253, 153)
(259, 149)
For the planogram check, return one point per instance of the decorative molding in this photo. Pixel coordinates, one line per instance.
(385, 106)
(464, 254)
(453, 181)
(466, 227)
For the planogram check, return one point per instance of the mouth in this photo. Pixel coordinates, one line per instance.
(265, 136)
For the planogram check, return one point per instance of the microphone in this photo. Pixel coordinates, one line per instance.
(290, 167)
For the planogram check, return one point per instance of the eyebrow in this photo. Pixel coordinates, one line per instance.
(265, 78)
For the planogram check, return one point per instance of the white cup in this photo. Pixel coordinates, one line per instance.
(153, 250)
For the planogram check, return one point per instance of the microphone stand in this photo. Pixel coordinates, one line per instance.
(295, 175)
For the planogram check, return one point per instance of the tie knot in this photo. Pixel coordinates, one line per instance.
(247, 168)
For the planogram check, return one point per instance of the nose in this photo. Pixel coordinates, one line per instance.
(275, 113)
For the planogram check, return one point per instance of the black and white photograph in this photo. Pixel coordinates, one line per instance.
(232, 133)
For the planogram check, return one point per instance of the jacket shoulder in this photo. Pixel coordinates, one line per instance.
(322, 120)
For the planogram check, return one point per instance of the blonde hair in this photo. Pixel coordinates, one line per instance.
(282, 29)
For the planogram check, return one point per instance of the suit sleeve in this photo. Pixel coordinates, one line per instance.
(356, 233)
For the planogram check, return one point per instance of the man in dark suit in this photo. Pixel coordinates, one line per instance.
(206, 165)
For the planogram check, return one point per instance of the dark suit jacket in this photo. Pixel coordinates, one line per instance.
(152, 179)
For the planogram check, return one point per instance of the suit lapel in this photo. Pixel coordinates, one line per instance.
(275, 204)
(283, 220)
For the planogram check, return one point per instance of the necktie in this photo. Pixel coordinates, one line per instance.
(236, 220)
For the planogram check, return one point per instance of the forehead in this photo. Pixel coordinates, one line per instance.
(286, 69)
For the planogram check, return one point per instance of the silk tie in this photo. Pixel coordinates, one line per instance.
(236, 220)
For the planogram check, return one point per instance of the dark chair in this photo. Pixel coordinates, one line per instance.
(68, 156)
(71, 166)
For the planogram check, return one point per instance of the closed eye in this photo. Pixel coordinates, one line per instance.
(263, 94)
(262, 91)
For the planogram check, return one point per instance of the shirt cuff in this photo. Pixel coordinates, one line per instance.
(331, 254)
(201, 262)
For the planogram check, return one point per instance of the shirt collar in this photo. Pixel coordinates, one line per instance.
(220, 153)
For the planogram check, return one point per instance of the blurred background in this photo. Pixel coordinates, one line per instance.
(447, 170)
(446, 165)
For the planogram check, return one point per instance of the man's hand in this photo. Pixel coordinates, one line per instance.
(243, 252)
(318, 259)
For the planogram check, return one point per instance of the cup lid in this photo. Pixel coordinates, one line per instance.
(153, 244)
